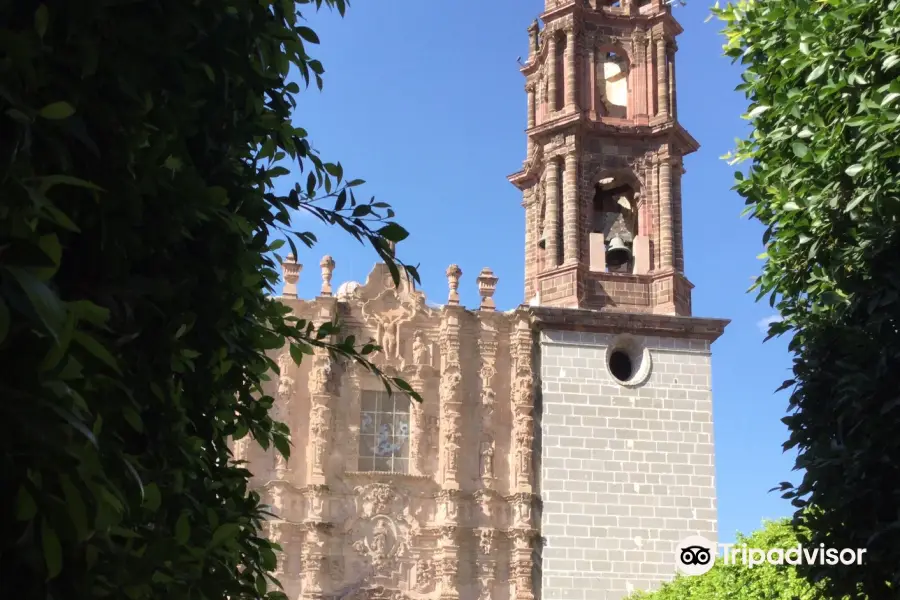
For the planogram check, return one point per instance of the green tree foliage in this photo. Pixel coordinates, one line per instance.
(139, 141)
(823, 81)
(735, 581)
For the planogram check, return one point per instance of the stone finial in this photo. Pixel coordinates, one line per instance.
(534, 36)
(453, 275)
(290, 270)
(487, 285)
(327, 265)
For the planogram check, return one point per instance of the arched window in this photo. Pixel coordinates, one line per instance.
(612, 84)
(615, 216)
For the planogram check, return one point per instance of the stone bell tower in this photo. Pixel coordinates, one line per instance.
(602, 177)
(624, 417)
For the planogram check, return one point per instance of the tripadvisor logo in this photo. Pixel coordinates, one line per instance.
(696, 555)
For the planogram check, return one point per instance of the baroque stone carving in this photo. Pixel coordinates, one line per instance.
(421, 352)
(424, 576)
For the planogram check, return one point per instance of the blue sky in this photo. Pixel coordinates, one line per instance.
(425, 102)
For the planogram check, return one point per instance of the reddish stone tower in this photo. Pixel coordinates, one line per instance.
(602, 177)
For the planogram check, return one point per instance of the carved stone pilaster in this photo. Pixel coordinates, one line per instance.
(449, 504)
(282, 408)
(450, 399)
(523, 385)
(314, 565)
(521, 562)
(323, 391)
(486, 562)
(449, 546)
(487, 346)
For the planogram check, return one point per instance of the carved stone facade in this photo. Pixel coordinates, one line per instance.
(387, 497)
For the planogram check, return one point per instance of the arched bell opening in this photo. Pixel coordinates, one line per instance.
(616, 246)
(613, 67)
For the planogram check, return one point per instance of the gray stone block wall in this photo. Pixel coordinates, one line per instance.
(626, 472)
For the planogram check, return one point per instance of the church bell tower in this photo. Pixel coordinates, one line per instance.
(624, 423)
(602, 177)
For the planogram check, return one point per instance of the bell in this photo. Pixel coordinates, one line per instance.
(617, 253)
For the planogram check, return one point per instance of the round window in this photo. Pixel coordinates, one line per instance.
(628, 361)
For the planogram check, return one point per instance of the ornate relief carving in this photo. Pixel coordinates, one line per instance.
(316, 503)
(424, 576)
(421, 351)
(377, 499)
(381, 542)
(487, 458)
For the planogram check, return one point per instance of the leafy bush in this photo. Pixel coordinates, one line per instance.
(139, 142)
(823, 81)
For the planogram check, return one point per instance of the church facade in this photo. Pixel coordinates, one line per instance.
(563, 448)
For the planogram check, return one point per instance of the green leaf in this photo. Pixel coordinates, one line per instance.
(757, 111)
(57, 111)
(800, 149)
(224, 533)
(152, 497)
(97, 350)
(816, 73)
(41, 19)
(52, 550)
(853, 170)
(308, 34)
(26, 508)
(43, 301)
(393, 232)
(182, 529)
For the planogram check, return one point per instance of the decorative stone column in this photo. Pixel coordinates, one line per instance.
(521, 564)
(552, 75)
(487, 347)
(665, 211)
(486, 562)
(317, 542)
(673, 103)
(322, 394)
(571, 233)
(551, 214)
(571, 69)
(532, 117)
(282, 409)
(420, 372)
(314, 559)
(662, 79)
(450, 390)
(592, 96)
(677, 221)
(449, 545)
(522, 405)
(639, 74)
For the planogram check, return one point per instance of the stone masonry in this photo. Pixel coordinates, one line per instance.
(626, 471)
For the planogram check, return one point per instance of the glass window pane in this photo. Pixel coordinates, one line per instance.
(367, 426)
(382, 464)
(385, 402)
(401, 465)
(366, 464)
(402, 404)
(369, 401)
(401, 425)
(367, 445)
